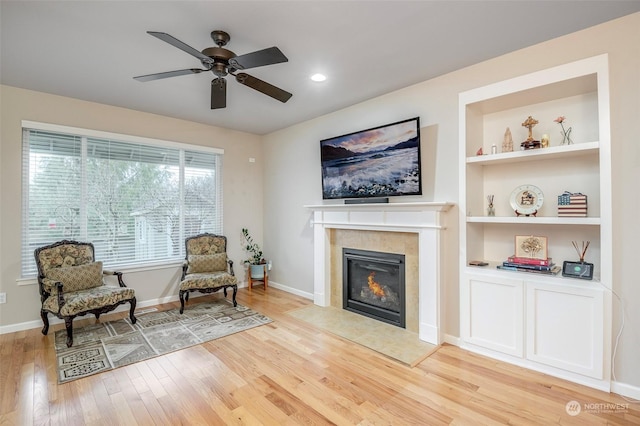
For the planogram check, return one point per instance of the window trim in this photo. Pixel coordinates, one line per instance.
(99, 134)
(78, 131)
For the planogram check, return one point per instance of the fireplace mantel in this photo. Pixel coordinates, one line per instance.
(420, 205)
(424, 218)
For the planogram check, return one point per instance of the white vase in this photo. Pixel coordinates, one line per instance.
(257, 271)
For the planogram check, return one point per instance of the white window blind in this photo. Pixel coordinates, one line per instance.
(136, 202)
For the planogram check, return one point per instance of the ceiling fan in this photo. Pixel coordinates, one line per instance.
(221, 61)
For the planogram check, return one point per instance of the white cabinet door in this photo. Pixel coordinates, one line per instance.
(493, 314)
(565, 327)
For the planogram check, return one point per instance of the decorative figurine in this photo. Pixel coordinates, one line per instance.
(491, 211)
(507, 142)
(479, 151)
(530, 143)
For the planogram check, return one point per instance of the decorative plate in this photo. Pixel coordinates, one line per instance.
(526, 200)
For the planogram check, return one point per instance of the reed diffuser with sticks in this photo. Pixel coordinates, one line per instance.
(581, 251)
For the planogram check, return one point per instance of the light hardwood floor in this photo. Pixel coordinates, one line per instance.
(289, 373)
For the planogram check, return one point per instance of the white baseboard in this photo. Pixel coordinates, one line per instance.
(291, 290)
(28, 325)
(279, 286)
(429, 333)
(452, 340)
(12, 328)
(625, 389)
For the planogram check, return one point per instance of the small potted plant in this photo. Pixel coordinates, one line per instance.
(255, 260)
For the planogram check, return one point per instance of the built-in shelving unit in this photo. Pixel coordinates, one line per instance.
(536, 320)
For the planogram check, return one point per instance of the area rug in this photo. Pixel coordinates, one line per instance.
(104, 346)
(394, 342)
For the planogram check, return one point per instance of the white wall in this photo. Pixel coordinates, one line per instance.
(242, 187)
(293, 165)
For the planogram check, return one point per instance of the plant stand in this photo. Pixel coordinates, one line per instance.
(258, 274)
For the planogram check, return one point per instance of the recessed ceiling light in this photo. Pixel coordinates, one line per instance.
(318, 77)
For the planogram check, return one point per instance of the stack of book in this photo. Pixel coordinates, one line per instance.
(527, 264)
(572, 205)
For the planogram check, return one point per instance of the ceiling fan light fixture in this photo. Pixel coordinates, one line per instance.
(318, 77)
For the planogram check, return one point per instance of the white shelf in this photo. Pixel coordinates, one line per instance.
(587, 148)
(492, 270)
(541, 220)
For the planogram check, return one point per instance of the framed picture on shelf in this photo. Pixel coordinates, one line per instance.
(531, 246)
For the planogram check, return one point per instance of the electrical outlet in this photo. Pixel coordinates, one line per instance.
(3, 297)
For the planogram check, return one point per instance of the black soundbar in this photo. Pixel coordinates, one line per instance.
(367, 201)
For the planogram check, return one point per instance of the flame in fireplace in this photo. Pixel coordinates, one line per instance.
(374, 286)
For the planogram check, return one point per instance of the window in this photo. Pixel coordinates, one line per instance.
(135, 199)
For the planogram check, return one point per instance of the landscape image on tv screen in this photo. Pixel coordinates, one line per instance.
(379, 162)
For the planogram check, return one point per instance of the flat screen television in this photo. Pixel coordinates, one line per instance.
(375, 163)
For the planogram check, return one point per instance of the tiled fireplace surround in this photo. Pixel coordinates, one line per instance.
(412, 229)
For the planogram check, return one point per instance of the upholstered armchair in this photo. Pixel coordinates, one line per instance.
(207, 268)
(71, 284)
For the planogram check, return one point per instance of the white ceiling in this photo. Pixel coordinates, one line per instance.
(90, 50)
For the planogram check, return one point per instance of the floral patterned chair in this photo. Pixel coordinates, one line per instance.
(207, 268)
(72, 284)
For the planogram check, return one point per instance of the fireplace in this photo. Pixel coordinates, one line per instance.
(374, 285)
(427, 220)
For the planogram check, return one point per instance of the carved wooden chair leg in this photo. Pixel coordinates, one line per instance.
(133, 308)
(235, 291)
(68, 322)
(45, 320)
(182, 300)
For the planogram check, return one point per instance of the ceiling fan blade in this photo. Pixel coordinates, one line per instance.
(180, 45)
(218, 93)
(264, 87)
(269, 56)
(158, 76)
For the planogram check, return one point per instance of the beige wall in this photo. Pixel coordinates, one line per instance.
(292, 156)
(242, 186)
